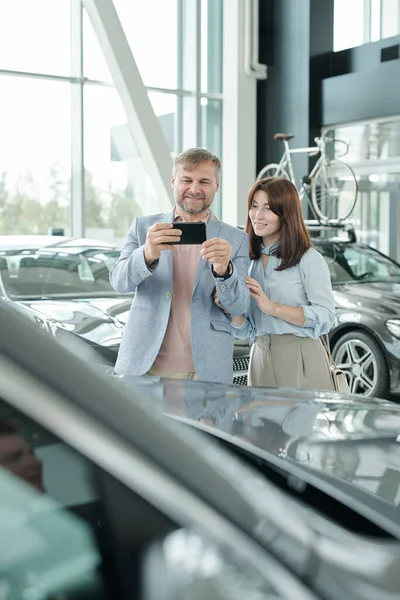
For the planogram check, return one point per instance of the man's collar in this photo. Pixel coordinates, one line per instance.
(178, 218)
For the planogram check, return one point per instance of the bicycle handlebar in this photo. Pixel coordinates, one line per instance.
(323, 140)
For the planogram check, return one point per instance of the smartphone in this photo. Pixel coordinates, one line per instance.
(192, 233)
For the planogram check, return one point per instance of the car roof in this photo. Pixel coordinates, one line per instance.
(24, 242)
(35, 242)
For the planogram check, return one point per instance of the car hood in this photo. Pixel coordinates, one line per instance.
(379, 298)
(350, 438)
(297, 414)
(100, 320)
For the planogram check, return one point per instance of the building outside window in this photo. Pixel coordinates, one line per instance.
(65, 145)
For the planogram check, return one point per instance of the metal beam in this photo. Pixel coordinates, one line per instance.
(77, 137)
(190, 72)
(239, 127)
(142, 121)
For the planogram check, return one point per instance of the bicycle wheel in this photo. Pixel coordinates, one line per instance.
(272, 170)
(334, 191)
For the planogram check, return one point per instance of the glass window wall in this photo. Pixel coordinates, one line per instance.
(117, 187)
(53, 104)
(348, 24)
(211, 135)
(151, 30)
(361, 21)
(211, 46)
(374, 155)
(390, 25)
(35, 36)
(35, 148)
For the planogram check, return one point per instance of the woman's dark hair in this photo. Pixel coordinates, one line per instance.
(284, 202)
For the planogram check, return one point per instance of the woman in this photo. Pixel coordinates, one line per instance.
(292, 302)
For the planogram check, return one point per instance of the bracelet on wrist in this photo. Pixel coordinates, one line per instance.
(227, 274)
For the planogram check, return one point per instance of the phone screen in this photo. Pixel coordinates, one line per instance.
(192, 233)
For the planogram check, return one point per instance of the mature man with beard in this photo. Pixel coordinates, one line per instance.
(174, 328)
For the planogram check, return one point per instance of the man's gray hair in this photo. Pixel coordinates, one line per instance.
(192, 157)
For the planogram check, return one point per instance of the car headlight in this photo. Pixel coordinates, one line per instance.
(394, 327)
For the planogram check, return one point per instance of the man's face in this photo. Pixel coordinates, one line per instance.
(17, 457)
(194, 190)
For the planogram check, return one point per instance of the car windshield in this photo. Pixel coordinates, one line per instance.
(358, 264)
(57, 273)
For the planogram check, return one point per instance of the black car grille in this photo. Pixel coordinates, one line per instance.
(241, 380)
(240, 367)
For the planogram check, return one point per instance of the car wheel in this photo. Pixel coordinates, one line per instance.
(362, 360)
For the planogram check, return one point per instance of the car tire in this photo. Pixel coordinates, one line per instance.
(362, 359)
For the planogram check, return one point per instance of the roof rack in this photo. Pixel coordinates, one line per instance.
(314, 225)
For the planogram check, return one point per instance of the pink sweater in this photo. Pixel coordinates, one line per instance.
(176, 350)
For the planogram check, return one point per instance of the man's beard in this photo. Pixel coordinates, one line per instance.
(193, 211)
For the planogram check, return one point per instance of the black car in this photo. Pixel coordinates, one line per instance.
(238, 493)
(365, 339)
(64, 285)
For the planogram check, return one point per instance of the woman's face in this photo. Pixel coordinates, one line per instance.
(266, 224)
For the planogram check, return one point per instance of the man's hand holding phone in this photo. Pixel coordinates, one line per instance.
(218, 252)
(160, 236)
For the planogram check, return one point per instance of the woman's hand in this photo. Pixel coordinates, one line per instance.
(290, 314)
(217, 301)
(236, 321)
(263, 302)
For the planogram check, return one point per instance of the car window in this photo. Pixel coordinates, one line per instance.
(357, 264)
(48, 514)
(338, 271)
(371, 265)
(51, 274)
(54, 532)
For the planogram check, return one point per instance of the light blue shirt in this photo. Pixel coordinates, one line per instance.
(308, 284)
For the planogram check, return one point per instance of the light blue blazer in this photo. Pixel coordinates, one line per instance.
(212, 340)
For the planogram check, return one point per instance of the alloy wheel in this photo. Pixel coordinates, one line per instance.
(357, 360)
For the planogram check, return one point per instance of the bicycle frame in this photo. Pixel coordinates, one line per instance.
(286, 161)
(319, 177)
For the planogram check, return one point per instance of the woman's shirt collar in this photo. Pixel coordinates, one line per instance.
(271, 248)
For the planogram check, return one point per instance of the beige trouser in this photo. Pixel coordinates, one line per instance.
(287, 360)
(156, 372)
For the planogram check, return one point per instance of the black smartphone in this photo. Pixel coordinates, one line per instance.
(192, 233)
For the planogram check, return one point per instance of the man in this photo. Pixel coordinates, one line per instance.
(17, 457)
(174, 327)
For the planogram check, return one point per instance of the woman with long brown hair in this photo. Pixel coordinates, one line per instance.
(292, 302)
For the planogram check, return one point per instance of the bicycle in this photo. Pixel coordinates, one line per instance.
(332, 182)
